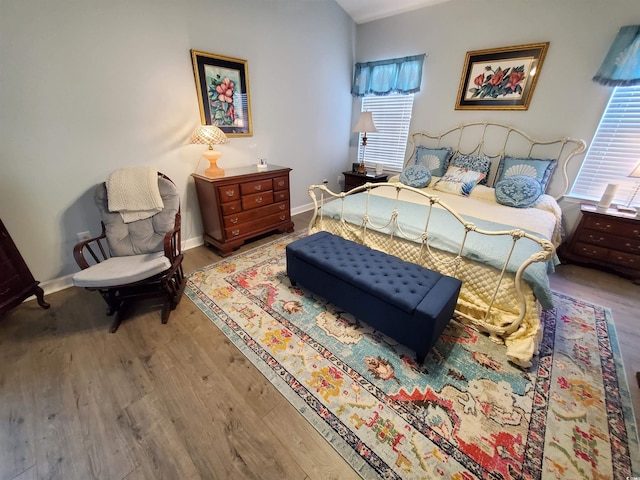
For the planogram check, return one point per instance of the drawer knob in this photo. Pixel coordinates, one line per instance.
(258, 187)
(230, 192)
(235, 233)
(258, 199)
(281, 207)
(234, 220)
(232, 209)
(281, 183)
(283, 217)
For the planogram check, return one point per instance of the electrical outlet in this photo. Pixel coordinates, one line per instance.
(325, 181)
(82, 236)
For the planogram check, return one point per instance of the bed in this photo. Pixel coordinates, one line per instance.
(479, 217)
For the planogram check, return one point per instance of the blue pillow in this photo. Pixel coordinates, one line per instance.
(477, 163)
(436, 159)
(519, 191)
(538, 168)
(417, 176)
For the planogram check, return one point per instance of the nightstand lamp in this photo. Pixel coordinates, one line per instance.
(634, 174)
(364, 125)
(210, 135)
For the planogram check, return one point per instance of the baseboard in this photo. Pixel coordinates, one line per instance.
(62, 283)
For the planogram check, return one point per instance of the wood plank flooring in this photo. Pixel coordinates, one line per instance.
(179, 401)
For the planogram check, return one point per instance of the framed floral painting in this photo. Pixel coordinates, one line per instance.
(500, 78)
(222, 84)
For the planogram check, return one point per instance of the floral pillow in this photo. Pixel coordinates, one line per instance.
(519, 191)
(538, 168)
(417, 176)
(459, 181)
(436, 159)
(477, 163)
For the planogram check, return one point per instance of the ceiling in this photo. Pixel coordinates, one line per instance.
(363, 11)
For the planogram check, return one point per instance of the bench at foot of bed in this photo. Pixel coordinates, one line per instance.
(405, 301)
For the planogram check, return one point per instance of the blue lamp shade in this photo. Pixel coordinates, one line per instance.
(621, 66)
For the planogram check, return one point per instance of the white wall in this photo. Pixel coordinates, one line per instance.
(88, 86)
(566, 102)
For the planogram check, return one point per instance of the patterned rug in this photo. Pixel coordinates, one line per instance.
(466, 413)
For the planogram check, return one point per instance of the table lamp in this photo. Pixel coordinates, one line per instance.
(210, 135)
(635, 173)
(364, 125)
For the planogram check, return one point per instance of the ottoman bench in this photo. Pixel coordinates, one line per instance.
(405, 301)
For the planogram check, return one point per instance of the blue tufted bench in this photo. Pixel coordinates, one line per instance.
(405, 301)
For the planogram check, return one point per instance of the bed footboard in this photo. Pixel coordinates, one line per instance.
(495, 297)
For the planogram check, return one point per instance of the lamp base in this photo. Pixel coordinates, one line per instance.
(362, 169)
(214, 171)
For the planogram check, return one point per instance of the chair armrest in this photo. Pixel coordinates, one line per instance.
(94, 246)
(173, 241)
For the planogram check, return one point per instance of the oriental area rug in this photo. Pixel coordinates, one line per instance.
(467, 413)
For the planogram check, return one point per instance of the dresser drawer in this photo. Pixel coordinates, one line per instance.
(252, 226)
(281, 196)
(256, 213)
(255, 187)
(629, 245)
(231, 207)
(281, 183)
(613, 225)
(257, 200)
(229, 193)
(626, 260)
(10, 287)
(7, 271)
(591, 251)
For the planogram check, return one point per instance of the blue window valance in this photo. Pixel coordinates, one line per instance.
(621, 66)
(383, 77)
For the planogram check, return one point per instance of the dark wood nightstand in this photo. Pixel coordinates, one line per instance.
(353, 180)
(606, 238)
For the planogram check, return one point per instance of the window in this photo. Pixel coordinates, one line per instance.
(614, 151)
(391, 116)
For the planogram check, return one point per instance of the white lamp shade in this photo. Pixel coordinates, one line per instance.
(635, 172)
(365, 123)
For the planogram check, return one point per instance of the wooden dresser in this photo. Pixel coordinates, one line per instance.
(243, 204)
(16, 280)
(606, 238)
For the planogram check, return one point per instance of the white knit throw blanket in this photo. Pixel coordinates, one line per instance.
(134, 193)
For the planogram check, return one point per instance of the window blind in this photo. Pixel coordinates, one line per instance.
(614, 151)
(391, 116)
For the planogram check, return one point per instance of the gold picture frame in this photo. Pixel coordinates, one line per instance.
(500, 78)
(222, 84)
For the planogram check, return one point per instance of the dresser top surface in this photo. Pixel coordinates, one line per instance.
(610, 212)
(230, 173)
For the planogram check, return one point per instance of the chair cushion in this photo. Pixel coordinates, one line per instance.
(141, 236)
(122, 270)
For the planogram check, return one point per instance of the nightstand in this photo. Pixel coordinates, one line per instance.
(353, 180)
(606, 238)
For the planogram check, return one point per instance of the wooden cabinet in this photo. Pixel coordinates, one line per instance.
(16, 280)
(353, 180)
(609, 239)
(243, 204)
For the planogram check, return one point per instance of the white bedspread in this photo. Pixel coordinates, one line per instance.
(544, 219)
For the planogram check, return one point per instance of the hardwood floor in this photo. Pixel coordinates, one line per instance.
(179, 401)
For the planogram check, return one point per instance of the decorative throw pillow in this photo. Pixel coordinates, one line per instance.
(459, 181)
(520, 191)
(417, 176)
(538, 168)
(477, 163)
(436, 159)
